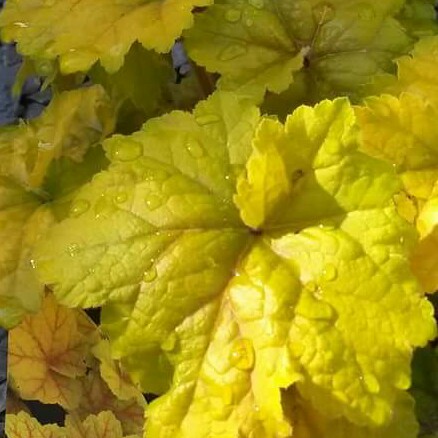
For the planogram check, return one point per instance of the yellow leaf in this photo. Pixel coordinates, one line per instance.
(103, 425)
(97, 397)
(47, 353)
(114, 375)
(22, 425)
(108, 28)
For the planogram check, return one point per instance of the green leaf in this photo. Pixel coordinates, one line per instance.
(80, 33)
(258, 45)
(303, 280)
(419, 18)
(41, 165)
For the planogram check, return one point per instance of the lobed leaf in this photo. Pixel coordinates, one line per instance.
(219, 300)
(22, 425)
(48, 353)
(310, 50)
(41, 164)
(48, 29)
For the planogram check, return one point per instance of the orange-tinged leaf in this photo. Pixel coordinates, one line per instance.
(114, 375)
(103, 425)
(97, 397)
(23, 425)
(47, 352)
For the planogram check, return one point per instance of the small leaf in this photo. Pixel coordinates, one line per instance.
(22, 425)
(47, 353)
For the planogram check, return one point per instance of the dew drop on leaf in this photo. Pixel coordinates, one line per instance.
(233, 15)
(79, 207)
(232, 51)
(323, 12)
(150, 275)
(127, 150)
(120, 198)
(153, 201)
(242, 354)
(258, 4)
(371, 383)
(73, 249)
(33, 263)
(330, 272)
(21, 24)
(195, 149)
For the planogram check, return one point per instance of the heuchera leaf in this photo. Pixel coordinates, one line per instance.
(419, 17)
(103, 425)
(97, 397)
(22, 425)
(47, 353)
(402, 130)
(49, 29)
(114, 375)
(258, 45)
(31, 155)
(220, 299)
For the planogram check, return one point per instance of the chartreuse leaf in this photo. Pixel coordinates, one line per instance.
(140, 85)
(22, 425)
(48, 29)
(310, 423)
(303, 280)
(323, 48)
(41, 164)
(403, 131)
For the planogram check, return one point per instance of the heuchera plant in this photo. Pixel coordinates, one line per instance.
(259, 235)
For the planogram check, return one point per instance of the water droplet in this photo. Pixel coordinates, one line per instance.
(258, 4)
(371, 383)
(73, 249)
(79, 207)
(101, 206)
(207, 119)
(154, 201)
(242, 354)
(232, 51)
(158, 175)
(21, 24)
(323, 12)
(33, 263)
(170, 343)
(126, 150)
(233, 15)
(401, 240)
(45, 146)
(366, 12)
(330, 272)
(120, 198)
(195, 149)
(150, 275)
(227, 177)
(310, 307)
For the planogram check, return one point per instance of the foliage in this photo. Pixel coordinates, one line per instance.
(261, 266)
